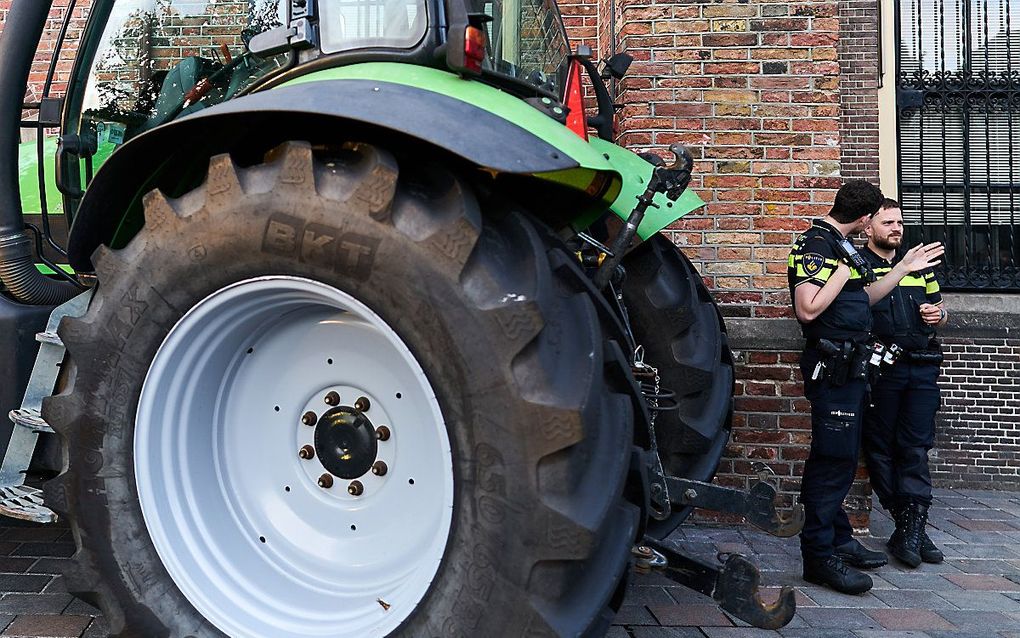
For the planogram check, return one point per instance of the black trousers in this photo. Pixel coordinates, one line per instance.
(836, 416)
(899, 429)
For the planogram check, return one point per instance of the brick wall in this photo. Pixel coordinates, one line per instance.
(858, 83)
(44, 52)
(978, 430)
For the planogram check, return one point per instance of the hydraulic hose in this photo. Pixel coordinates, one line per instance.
(18, 41)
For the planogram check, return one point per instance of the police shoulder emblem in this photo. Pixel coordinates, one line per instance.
(813, 263)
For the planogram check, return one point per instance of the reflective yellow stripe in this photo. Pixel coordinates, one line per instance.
(912, 280)
(931, 287)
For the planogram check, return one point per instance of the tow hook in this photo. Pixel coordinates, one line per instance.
(733, 584)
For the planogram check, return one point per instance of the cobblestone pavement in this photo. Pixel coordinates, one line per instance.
(974, 594)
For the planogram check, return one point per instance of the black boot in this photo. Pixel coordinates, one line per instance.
(894, 512)
(833, 572)
(930, 553)
(855, 554)
(910, 523)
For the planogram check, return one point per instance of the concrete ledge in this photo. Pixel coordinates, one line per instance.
(971, 315)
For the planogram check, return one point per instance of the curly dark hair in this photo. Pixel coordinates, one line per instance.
(855, 199)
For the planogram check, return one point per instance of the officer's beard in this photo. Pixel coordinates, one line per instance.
(892, 242)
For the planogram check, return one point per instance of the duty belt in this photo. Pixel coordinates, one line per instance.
(844, 361)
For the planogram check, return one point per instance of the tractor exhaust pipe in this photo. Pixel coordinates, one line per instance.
(22, 31)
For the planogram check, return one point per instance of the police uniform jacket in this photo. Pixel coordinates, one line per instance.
(812, 261)
(897, 315)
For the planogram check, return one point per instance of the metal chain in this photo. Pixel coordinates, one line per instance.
(642, 368)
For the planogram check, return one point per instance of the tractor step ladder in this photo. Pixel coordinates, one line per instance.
(18, 500)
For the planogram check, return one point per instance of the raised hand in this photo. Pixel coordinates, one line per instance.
(922, 256)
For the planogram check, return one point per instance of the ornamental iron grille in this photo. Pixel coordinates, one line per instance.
(958, 106)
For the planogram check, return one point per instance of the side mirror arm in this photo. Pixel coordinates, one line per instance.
(603, 120)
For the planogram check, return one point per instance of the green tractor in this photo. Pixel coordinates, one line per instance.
(343, 318)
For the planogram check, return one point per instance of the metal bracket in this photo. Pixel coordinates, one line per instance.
(733, 584)
(756, 505)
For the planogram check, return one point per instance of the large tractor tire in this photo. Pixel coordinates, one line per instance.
(327, 396)
(674, 317)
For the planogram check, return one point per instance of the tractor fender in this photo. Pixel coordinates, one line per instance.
(484, 137)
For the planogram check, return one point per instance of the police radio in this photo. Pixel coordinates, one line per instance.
(853, 258)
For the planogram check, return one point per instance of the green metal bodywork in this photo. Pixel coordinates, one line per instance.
(28, 174)
(597, 162)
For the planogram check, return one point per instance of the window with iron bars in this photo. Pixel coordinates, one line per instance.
(958, 105)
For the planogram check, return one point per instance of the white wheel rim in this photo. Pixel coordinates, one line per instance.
(217, 465)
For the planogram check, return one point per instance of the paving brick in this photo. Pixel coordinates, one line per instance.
(913, 599)
(982, 582)
(61, 550)
(824, 597)
(47, 565)
(920, 582)
(903, 619)
(24, 582)
(12, 565)
(737, 632)
(987, 514)
(47, 626)
(34, 603)
(985, 620)
(41, 533)
(882, 633)
(984, 526)
(980, 551)
(838, 618)
(983, 566)
(816, 633)
(690, 616)
(647, 596)
(634, 615)
(981, 600)
(667, 632)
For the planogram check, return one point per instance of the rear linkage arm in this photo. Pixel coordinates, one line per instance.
(671, 180)
(756, 505)
(733, 583)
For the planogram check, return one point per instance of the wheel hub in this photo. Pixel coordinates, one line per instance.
(345, 442)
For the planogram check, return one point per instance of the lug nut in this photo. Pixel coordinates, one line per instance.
(306, 452)
(382, 433)
(309, 418)
(326, 481)
(332, 398)
(362, 404)
(379, 468)
(355, 488)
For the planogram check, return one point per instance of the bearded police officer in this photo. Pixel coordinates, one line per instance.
(899, 425)
(828, 280)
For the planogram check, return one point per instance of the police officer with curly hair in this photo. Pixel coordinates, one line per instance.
(899, 425)
(828, 284)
